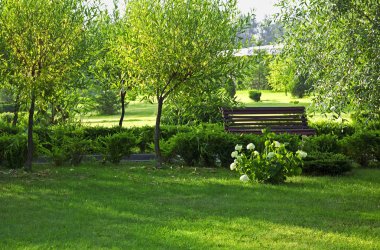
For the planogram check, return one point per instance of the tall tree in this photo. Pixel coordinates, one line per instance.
(111, 70)
(336, 43)
(41, 40)
(176, 42)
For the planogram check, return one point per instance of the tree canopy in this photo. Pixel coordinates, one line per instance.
(336, 43)
(43, 42)
(176, 43)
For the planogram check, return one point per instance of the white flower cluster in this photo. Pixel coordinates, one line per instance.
(301, 153)
(271, 155)
(244, 178)
(251, 146)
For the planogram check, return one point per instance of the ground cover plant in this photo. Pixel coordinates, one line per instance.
(136, 206)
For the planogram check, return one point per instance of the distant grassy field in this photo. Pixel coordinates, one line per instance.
(140, 113)
(272, 99)
(135, 206)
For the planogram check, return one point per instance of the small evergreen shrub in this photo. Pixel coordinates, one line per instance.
(318, 163)
(255, 95)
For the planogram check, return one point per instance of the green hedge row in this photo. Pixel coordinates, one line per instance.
(203, 145)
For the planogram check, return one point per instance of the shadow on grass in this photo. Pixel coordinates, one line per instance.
(146, 208)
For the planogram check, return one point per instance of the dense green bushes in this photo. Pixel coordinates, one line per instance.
(203, 145)
(13, 150)
(115, 147)
(321, 163)
(363, 147)
(255, 95)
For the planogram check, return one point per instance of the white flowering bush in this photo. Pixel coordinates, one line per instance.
(272, 165)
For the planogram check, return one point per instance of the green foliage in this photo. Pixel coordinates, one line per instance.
(255, 95)
(334, 128)
(273, 165)
(208, 146)
(363, 147)
(324, 38)
(13, 150)
(189, 108)
(115, 147)
(185, 145)
(168, 40)
(319, 163)
(6, 128)
(6, 117)
(255, 72)
(327, 143)
(282, 74)
(107, 102)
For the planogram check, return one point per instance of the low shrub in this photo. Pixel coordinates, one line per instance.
(6, 117)
(68, 145)
(255, 95)
(363, 147)
(93, 133)
(115, 147)
(144, 136)
(6, 128)
(272, 165)
(210, 145)
(318, 163)
(322, 143)
(75, 148)
(185, 145)
(334, 128)
(13, 150)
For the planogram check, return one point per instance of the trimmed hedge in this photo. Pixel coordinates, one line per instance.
(326, 164)
(255, 95)
(203, 145)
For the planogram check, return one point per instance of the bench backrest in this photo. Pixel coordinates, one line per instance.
(277, 119)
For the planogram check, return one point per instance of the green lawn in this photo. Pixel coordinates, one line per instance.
(142, 113)
(134, 206)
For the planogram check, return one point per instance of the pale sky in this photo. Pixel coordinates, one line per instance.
(261, 7)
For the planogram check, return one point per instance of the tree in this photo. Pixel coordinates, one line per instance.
(41, 42)
(336, 44)
(176, 43)
(110, 70)
(282, 74)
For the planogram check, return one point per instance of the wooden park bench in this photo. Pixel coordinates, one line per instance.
(277, 119)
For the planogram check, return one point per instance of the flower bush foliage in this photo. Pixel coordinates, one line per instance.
(272, 165)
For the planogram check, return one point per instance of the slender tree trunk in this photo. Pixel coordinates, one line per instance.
(53, 113)
(15, 112)
(157, 133)
(29, 159)
(122, 100)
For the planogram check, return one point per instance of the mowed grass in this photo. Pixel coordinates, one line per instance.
(135, 206)
(272, 99)
(136, 114)
(142, 113)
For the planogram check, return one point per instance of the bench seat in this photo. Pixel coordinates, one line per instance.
(277, 119)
